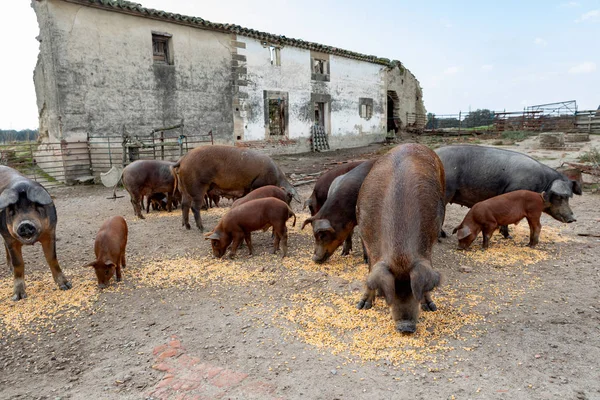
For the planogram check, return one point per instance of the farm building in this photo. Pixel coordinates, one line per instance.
(112, 66)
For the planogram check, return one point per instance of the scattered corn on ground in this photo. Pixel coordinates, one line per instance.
(510, 252)
(314, 313)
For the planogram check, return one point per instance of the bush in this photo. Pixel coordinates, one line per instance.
(592, 156)
(517, 136)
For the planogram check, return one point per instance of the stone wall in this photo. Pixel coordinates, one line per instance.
(96, 74)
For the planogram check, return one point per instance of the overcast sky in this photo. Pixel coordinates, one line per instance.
(468, 54)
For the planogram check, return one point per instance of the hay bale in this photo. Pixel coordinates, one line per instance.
(552, 140)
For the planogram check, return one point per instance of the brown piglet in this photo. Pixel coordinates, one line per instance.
(239, 223)
(109, 247)
(509, 208)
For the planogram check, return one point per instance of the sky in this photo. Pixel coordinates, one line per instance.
(466, 54)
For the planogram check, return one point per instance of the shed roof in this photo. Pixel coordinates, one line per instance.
(132, 8)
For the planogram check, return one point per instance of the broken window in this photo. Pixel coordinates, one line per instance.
(161, 48)
(275, 55)
(319, 66)
(365, 107)
(277, 110)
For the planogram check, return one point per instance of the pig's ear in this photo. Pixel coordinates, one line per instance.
(90, 264)
(545, 196)
(576, 186)
(306, 222)
(323, 225)
(109, 264)
(463, 232)
(38, 194)
(455, 229)
(212, 235)
(8, 197)
(381, 278)
(423, 279)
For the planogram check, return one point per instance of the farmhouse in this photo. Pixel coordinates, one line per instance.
(112, 66)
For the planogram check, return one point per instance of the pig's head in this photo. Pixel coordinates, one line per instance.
(288, 195)
(104, 272)
(26, 211)
(556, 199)
(466, 235)
(219, 241)
(327, 240)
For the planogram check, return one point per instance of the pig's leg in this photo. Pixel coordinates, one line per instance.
(365, 255)
(284, 246)
(347, 245)
(535, 227)
(18, 268)
(118, 270)
(123, 262)
(49, 246)
(8, 262)
(427, 303)
(504, 232)
(237, 239)
(197, 201)
(248, 238)
(487, 233)
(276, 241)
(169, 202)
(186, 201)
(135, 202)
(367, 300)
(147, 204)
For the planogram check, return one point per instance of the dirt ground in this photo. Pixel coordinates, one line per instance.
(513, 323)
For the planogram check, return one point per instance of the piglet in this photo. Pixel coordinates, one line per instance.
(111, 241)
(505, 209)
(263, 192)
(241, 221)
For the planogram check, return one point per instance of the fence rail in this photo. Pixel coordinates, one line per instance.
(588, 121)
(57, 163)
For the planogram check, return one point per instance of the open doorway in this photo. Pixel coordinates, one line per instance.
(393, 112)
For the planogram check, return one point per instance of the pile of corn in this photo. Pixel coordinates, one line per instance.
(512, 252)
(330, 321)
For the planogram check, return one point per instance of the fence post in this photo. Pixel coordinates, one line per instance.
(459, 122)
(32, 162)
(162, 145)
(89, 148)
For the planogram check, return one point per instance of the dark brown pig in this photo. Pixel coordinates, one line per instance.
(27, 215)
(264, 192)
(509, 208)
(239, 223)
(319, 194)
(227, 168)
(143, 177)
(400, 213)
(109, 247)
(334, 223)
(158, 201)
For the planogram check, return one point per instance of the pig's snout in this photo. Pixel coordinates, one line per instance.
(320, 258)
(26, 230)
(571, 218)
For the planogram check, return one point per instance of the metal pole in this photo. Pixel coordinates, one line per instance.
(162, 145)
(459, 122)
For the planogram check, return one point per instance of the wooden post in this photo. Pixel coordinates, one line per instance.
(459, 122)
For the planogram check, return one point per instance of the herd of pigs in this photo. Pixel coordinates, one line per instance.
(397, 201)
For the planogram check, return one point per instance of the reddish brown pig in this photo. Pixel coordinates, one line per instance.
(143, 177)
(239, 223)
(109, 247)
(27, 216)
(400, 212)
(334, 223)
(509, 208)
(319, 194)
(227, 168)
(264, 192)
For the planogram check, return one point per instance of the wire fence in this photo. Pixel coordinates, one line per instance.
(71, 162)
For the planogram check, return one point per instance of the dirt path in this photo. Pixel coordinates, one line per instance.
(513, 323)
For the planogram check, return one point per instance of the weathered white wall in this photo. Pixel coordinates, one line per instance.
(105, 76)
(349, 80)
(409, 92)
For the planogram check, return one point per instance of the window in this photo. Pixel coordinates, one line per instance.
(319, 66)
(161, 48)
(275, 55)
(276, 113)
(365, 107)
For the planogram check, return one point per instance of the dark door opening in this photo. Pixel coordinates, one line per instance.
(320, 114)
(277, 111)
(393, 107)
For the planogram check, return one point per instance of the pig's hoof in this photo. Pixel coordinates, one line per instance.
(119, 279)
(443, 234)
(364, 305)
(187, 226)
(65, 286)
(406, 326)
(346, 252)
(141, 216)
(19, 296)
(428, 306)
(102, 286)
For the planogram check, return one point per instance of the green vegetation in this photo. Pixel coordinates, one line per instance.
(11, 135)
(592, 156)
(517, 136)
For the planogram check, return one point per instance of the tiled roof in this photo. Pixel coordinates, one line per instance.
(136, 8)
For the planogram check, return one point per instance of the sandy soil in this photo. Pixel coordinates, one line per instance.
(513, 323)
